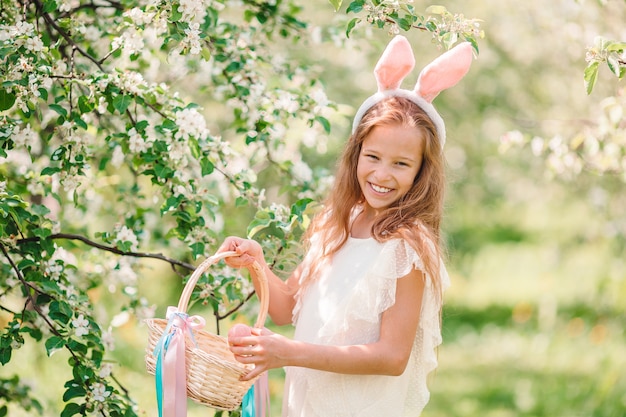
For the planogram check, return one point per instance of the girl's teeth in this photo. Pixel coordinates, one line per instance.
(380, 189)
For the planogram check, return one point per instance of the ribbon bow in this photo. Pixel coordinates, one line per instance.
(170, 372)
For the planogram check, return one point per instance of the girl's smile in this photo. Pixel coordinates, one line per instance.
(390, 159)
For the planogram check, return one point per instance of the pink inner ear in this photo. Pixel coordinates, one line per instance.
(394, 64)
(445, 71)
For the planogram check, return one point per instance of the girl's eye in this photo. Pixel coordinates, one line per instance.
(402, 164)
(370, 156)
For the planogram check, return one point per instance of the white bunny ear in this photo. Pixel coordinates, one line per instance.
(444, 72)
(394, 64)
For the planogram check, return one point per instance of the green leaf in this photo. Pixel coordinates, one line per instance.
(79, 122)
(25, 263)
(42, 232)
(205, 53)
(163, 171)
(71, 409)
(299, 207)
(77, 347)
(355, 7)
(405, 24)
(207, 166)
(59, 109)
(50, 171)
(60, 311)
(43, 93)
(141, 125)
(171, 203)
(197, 249)
(5, 354)
(121, 103)
(34, 333)
(336, 4)
(73, 391)
(49, 6)
(613, 61)
(53, 344)
(616, 47)
(169, 124)
(591, 76)
(50, 286)
(324, 122)
(6, 100)
(85, 105)
(351, 24)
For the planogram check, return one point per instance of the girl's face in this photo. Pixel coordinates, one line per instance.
(390, 158)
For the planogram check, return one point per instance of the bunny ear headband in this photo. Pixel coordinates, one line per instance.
(397, 61)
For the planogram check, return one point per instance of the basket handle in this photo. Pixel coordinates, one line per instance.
(263, 294)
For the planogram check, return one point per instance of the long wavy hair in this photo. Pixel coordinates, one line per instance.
(415, 217)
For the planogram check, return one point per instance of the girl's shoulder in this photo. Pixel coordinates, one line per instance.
(399, 257)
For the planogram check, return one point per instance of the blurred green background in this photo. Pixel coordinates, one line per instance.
(534, 322)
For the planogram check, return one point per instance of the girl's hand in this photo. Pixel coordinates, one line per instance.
(264, 349)
(247, 249)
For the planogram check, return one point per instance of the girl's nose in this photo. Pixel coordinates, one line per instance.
(382, 173)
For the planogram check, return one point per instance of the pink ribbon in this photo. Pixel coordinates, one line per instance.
(172, 384)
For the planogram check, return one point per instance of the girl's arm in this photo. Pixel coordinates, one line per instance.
(281, 293)
(387, 356)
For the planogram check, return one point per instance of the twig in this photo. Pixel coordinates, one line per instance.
(112, 249)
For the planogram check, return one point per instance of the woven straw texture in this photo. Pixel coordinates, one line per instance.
(212, 371)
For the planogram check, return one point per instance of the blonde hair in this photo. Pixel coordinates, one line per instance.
(415, 217)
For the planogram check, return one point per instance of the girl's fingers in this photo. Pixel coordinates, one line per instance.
(252, 374)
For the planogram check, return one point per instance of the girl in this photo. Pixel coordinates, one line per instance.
(366, 300)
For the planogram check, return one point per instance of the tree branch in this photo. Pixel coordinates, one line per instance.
(112, 249)
(50, 21)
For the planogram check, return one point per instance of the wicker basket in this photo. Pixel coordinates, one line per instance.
(212, 371)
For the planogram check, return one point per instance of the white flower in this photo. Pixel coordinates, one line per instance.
(287, 102)
(320, 98)
(177, 153)
(138, 16)
(192, 40)
(192, 10)
(102, 105)
(301, 171)
(190, 124)
(124, 273)
(54, 270)
(136, 143)
(23, 136)
(108, 341)
(127, 235)
(24, 28)
(71, 182)
(99, 392)
(81, 324)
(120, 319)
(117, 159)
(131, 42)
(34, 44)
(105, 370)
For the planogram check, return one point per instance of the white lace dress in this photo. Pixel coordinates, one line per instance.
(343, 307)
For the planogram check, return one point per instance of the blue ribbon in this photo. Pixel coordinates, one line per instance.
(159, 352)
(247, 404)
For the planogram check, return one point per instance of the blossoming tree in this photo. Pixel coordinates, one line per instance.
(106, 159)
